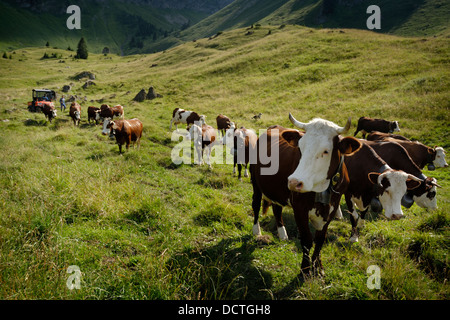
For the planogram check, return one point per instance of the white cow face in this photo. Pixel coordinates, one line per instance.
(106, 128)
(440, 158)
(393, 185)
(428, 198)
(97, 115)
(228, 137)
(316, 146)
(54, 113)
(396, 128)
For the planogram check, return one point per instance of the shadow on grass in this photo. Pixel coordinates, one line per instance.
(221, 271)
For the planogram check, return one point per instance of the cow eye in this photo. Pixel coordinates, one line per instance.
(325, 152)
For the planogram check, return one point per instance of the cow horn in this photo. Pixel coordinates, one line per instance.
(295, 122)
(433, 183)
(410, 176)
(346, 128)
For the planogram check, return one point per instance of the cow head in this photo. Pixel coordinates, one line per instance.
(425, 195)
(202, 119)
(107, 127)
(54, 113)
(394, 126)
(439, 160)
(97, 115)
(318, 148)
(392, 186)
(229, 134)
(77, 115)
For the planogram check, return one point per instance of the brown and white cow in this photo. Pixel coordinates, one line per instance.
(49, 112)
(373, 181)
(204, 137)
(423, 155)
(242, 144)
(367, 125)
(310, 177)
(110, 112)
(187, 117)
(75, 113)
(398, 158)
(223, 123)
(93, 113)
(126, 132)
(380, 136)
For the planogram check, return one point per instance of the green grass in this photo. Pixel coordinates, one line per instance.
(140, 227)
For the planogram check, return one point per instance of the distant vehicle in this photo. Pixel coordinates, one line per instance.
(41, 97)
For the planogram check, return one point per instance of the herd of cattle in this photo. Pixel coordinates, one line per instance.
(316, 167)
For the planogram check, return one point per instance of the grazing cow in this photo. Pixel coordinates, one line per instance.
(223, 123)
(93, 113)
(423, 155)
(49, 112)
(380, 136)
(367, 125)
(398, 158)
(110, 112)
(75, 113)
(204, 137)
(311, 178)
(187, 117)
(372, 181)
(242, 143)
(126, 131)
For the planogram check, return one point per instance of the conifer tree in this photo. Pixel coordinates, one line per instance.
(82, 51)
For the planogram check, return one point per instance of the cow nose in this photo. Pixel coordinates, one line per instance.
(295, 185)
(397, 216)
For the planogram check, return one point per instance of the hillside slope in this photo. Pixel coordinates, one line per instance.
(141, 227)
(123, 26)
(405, 17)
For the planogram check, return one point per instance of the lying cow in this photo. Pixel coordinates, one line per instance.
(187, 117)
(371, 179)
(204, 137)
(75, 113)
(223, 123)
(307, 164)
(126, 131)
(109, 112)
(381, 136)
(93, 113)
(49, 112)
(242, 143)
(398, 158)
(367, 125)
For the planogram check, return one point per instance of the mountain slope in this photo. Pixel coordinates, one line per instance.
(122, 25)
(403, 17)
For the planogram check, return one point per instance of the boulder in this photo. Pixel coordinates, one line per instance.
(152, 94)
(140, 96)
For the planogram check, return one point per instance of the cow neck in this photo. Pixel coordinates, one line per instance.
(324, 197)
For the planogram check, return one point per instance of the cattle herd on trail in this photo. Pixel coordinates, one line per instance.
(315, 166)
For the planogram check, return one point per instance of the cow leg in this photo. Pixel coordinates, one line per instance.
(256, 206)
(239, 171)
(277, 212)
(319, 239)
(306, 240)
(120, 149)
(354, 218)
(245, 171)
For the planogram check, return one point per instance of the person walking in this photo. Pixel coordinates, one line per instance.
(63, 103)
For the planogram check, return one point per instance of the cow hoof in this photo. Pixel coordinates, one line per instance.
(256, 230)
(354, 239)
(282, 234)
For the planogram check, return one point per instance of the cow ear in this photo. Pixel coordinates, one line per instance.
(291, 136)
(412, 184)
(431, 150)
(373, 177)
(349, 145)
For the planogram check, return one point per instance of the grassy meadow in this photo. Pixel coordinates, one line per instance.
(140, 227)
